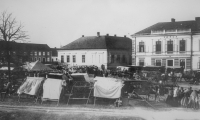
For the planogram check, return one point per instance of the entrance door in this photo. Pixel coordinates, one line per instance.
(43, 60)
(182, 63)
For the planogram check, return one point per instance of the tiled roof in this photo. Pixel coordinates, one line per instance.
(25, 46)
(193, 25)
(101, 42)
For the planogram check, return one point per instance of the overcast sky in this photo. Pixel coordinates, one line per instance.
(59, 22)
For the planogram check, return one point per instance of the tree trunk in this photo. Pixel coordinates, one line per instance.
(8, 58)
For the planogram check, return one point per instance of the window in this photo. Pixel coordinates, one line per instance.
(68, 58)
(83, 58)
(182, 45)
(74, 58)
(52, 60)
(56, 59)
(43, 53)
(62, 59)
(35, 53)
(158, 46)
(112, 58)
(47, 53)
(141, 46)
(48, 59)
(118, 58)
(158, 62)
(39, 53)
(170, 46)
(31, 53)
(141, 62)
(170, 63)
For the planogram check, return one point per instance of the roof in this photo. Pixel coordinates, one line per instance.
(101, 42)
(36, 66)
(25, 46)
(180, 25)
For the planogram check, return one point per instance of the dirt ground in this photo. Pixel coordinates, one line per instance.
(8, 112)
(136, 110)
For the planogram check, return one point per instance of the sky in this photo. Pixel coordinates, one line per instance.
(59, 22)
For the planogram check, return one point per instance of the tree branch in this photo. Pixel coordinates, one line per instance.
(9, 28)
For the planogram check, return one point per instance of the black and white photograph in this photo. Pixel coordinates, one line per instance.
(99, 60)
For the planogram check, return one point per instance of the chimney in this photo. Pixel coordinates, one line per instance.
(197, 19)
(107, 34)
(98, 34)
(125, 36)
(172, 20)
(82, 35)
(115, 35)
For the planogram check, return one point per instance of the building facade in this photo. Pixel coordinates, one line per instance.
(170, 44)
(54, 56)
(25, 52)
(110, 51)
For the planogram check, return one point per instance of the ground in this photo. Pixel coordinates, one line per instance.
(137, 109)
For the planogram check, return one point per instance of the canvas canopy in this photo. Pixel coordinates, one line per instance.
(36, 66)
(52, 89)
(107, 87)
(31, 85)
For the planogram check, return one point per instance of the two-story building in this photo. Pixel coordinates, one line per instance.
(110, 51)
(175, 43)
(23, 52)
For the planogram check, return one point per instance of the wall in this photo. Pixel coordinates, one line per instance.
(119, 62)
(92, 57)
(196, 52)
(150, 55)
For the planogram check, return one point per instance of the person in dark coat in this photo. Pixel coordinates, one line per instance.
(169, 99)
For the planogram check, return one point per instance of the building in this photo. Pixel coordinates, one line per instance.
(54, 57)
(171, 44)
(110, 51)
(23, 52)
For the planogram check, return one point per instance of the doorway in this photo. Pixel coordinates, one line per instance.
(182, 63)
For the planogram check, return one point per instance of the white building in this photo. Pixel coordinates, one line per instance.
(175, 43)
(110, 51)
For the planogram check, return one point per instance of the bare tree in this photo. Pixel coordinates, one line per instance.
(10, 30)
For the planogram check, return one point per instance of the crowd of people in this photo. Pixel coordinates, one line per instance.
(177, 96)
(187, 98)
